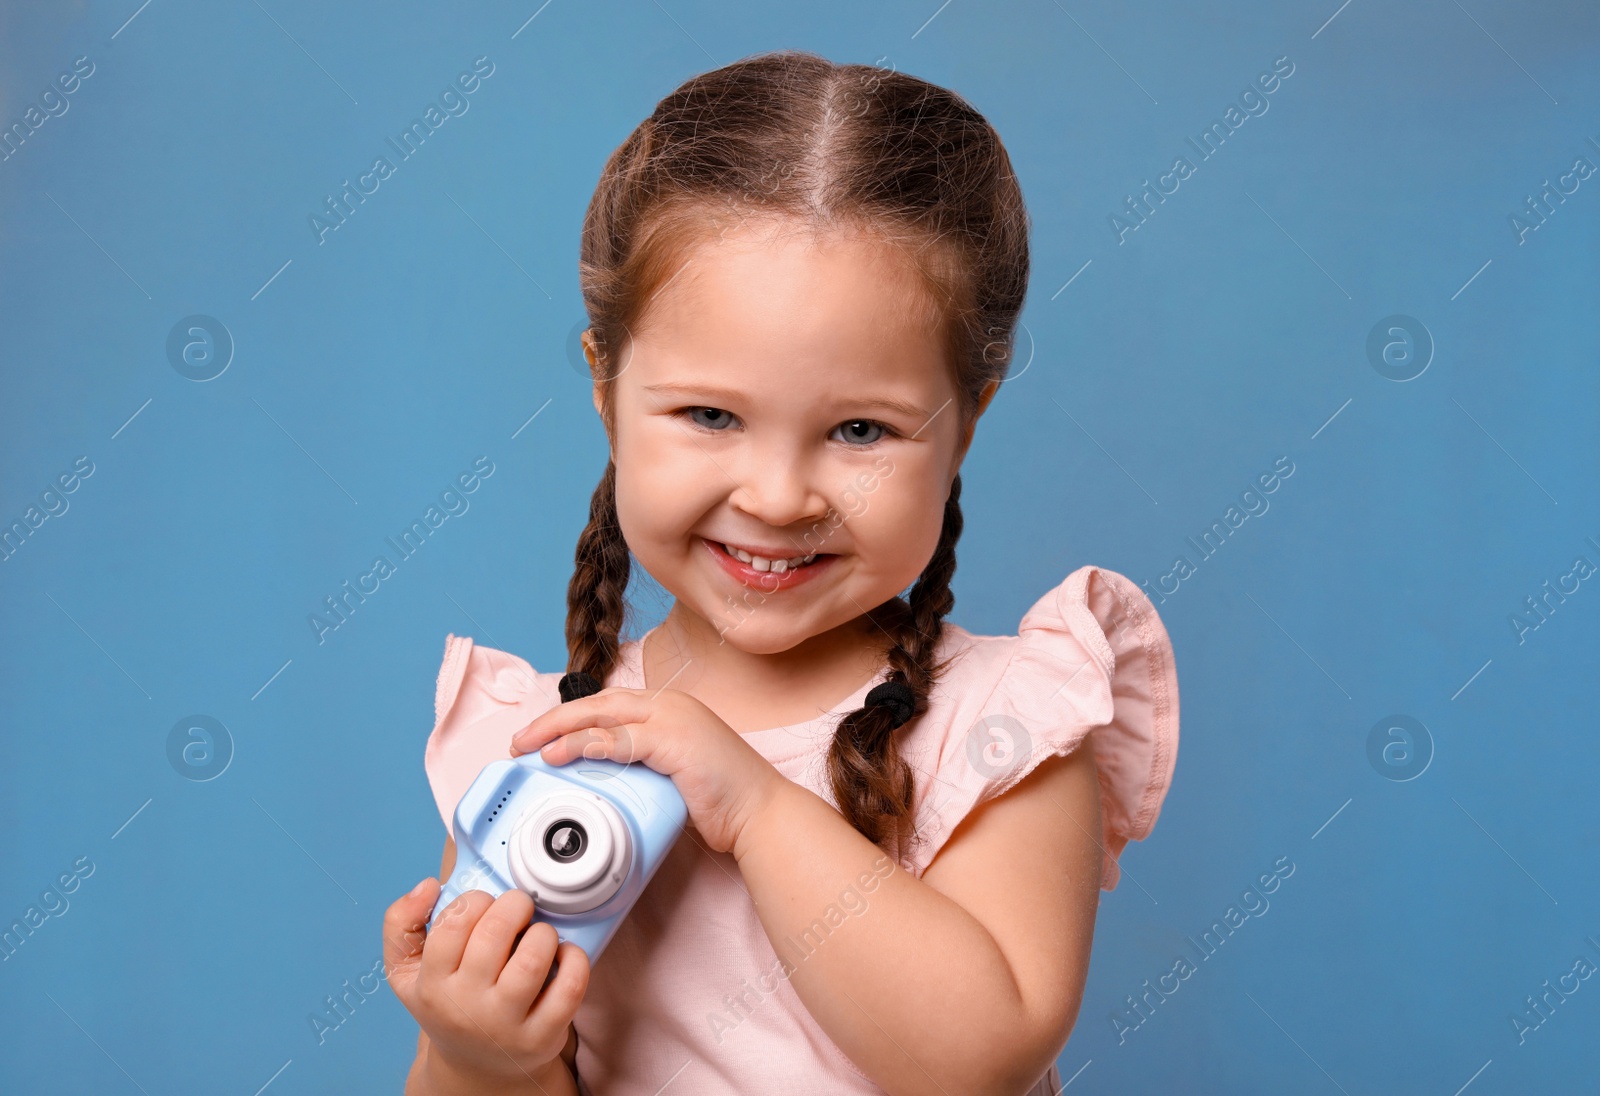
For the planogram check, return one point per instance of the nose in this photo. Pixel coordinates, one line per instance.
(777, 486)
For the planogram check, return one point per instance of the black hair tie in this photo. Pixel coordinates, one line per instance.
(576, 685)
(897, 697)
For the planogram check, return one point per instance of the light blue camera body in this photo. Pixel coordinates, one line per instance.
(582, 839)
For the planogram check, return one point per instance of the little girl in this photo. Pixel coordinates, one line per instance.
(803, 279)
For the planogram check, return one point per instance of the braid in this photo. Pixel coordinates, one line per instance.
(595, 596)
(871, 782)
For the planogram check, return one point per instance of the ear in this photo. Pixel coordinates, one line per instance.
(586, 338)
(599, 409)
(966, 437)
(592, 358)
(985, 396)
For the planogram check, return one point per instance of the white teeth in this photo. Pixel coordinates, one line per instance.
(761, 563)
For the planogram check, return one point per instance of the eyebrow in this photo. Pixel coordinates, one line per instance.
(734, 396)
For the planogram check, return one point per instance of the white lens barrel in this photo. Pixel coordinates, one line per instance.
(587, 880)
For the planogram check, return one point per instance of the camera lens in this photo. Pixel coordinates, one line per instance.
(565, 840)
(571, 849)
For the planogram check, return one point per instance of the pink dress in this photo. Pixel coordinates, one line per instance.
(689, 995)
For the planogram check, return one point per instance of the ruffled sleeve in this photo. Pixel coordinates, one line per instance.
(483, 697)
(1091, 661)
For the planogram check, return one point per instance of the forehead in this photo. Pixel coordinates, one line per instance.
(772, 308)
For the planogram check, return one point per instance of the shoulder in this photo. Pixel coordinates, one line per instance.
(1091, 663)
(482, 697)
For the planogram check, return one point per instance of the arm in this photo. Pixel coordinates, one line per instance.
(431, 1076)
(966, 980)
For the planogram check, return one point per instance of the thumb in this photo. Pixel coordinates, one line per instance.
(405, 926)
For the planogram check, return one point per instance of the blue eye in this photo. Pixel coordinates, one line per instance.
(717, 419)
(855, 428)
(857, 433)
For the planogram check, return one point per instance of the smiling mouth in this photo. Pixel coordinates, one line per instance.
(769, 575)
(761, 563)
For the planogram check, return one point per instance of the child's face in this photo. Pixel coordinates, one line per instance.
(739, 419)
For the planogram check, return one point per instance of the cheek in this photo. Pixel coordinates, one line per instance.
(895, 527)
(663, 486)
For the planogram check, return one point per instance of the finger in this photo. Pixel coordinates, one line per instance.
(447, 940)
(494, 935)
(616, 743)
(525, 971)
(405, 923)
(607, 708)
(561, 998)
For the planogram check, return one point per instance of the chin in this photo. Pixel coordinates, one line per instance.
(754, 639)
(759, 632)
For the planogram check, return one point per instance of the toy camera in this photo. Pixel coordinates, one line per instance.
(582, 839)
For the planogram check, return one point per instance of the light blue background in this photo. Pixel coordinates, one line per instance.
(1226, 332)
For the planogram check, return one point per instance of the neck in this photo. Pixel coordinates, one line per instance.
(689, 653)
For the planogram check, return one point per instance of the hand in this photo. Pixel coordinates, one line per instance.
(475, 989)
(723, 779)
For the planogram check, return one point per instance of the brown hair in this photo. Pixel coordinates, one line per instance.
(791, 135)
